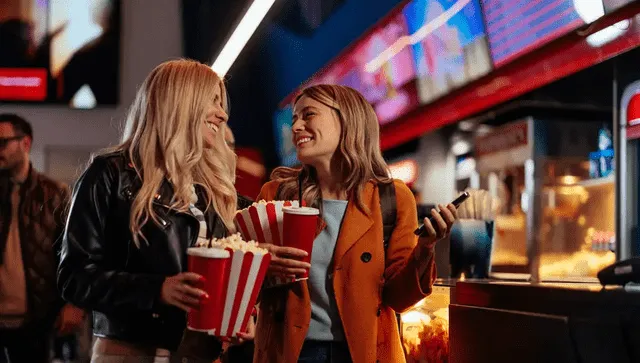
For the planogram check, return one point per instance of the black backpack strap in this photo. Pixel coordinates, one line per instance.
(387, 193)
(278, 192)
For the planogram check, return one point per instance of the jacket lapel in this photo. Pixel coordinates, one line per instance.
(356, 223)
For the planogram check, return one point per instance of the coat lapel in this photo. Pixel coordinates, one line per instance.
(355, 224)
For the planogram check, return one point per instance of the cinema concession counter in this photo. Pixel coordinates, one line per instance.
(503, 321)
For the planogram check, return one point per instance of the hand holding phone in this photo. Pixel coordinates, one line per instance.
(421, 231)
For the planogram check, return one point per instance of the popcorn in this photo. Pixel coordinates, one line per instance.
(236, 243)
(254, 204)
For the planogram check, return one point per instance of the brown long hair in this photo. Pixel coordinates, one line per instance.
(358, 155)
(163, 138)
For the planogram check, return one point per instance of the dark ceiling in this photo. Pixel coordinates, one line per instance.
(304, 16)
(207, 24)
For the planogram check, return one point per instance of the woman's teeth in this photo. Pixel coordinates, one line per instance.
(303, 140)
(213, 127)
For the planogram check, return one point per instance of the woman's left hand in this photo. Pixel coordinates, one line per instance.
(248, 335)
(441, 228)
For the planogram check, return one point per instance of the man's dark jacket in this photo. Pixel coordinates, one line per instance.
(41, 222)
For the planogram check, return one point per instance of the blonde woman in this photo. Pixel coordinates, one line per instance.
(136, 210)
(344, 312)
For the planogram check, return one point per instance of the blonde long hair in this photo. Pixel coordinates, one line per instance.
(358, 155)
(163, 138)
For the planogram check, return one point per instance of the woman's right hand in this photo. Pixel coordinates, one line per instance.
(285, 260)
(181, 291)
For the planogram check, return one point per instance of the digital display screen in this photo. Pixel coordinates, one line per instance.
(380, 66)
(60, 51)
(420, 52)
(449, 45)
(516, 27)
(285, 148)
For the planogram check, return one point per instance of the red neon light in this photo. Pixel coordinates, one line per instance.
(633, 110)
(23, 84)
(633, 117)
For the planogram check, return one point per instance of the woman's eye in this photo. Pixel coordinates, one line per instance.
(309, 114)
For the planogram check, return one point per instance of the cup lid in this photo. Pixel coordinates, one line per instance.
(305, 211)
(208, 252)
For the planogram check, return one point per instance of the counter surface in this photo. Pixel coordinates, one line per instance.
(506, 321)
(545, 298)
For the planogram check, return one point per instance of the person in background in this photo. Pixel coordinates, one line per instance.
(136, 210)
(31, 221)
(345, 311)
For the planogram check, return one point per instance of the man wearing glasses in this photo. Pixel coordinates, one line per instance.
(31, 220)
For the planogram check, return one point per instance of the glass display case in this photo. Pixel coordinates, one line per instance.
(557, 219)
(425, 327)
(577, 221)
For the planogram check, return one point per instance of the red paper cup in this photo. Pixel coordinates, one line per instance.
(214, 265)
(299, 230)
(233, 284)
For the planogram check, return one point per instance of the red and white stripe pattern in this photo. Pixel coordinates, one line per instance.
(262, 222)
(247, 274)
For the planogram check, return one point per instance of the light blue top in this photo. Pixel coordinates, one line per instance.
(325, 322)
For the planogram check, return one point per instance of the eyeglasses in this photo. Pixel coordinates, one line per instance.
(4, 141)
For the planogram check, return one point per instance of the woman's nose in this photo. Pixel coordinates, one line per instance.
(297, 126)
(222, 116)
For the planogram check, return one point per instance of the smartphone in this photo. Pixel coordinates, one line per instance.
(456, 203)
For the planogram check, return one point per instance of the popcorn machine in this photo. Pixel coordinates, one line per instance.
(557, 216)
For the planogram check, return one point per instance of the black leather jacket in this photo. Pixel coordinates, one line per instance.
(102, 270)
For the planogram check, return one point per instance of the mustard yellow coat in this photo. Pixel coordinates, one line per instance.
(367, 291)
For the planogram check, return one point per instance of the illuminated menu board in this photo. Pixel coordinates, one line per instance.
(380, 66)
(516, 27)
(449, 45)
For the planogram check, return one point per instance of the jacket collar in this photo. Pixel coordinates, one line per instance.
(356, 223)
(164, 195)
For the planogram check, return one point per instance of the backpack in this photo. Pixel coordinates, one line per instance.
(387, 192)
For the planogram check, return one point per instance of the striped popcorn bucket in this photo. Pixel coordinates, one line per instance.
(262, 222)
(241, 278)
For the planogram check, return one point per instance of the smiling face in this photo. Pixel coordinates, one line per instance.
(215, 118)
(316, 131)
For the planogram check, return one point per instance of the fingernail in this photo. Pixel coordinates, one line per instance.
(202, 279)
(204, 297)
